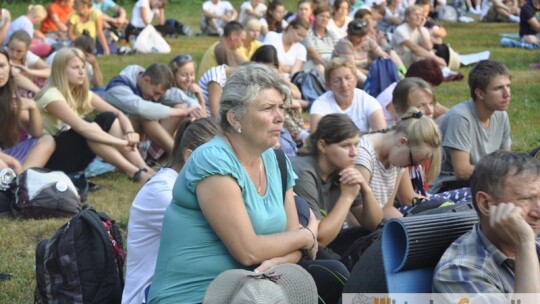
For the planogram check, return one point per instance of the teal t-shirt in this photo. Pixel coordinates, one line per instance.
(191, 255)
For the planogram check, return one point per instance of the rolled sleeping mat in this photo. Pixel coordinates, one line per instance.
(412, 246)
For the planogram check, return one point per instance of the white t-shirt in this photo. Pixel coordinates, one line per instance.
(215, 74)
(21, 23)
(31, 59)
(221, 8)
(136, 17)
(341, 32)
(405, 32)
(259, 10)
(384, 99)
(264, 24)
(362, 106)
(384, 25)
(288, 58)
(144, 232)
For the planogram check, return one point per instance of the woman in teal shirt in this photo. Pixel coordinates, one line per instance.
(227, 210)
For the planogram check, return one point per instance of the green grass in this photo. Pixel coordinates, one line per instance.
(18, 238)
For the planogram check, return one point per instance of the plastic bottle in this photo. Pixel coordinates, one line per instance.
(132, 39)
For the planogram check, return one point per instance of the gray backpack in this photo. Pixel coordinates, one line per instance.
(42, 193)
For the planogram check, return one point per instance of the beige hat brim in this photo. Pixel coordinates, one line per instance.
(297, 284)
(454, 62)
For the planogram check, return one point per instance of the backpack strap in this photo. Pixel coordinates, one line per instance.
(282, 163)
(96, 221)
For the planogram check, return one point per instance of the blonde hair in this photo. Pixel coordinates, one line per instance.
(413, 9)
(337, 63)
(400, 96)
(37, 11)
(77, 96)
(251, 24)
(422, 131)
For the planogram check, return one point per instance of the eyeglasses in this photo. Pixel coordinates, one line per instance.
(182, 59)
(323, 16)
(412, 163)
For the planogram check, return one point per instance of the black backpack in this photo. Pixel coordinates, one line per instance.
(178, 28)
(82, 262)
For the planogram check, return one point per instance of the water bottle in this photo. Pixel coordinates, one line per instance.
(132, 39)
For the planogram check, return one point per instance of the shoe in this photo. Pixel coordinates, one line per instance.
(137, 176)
(144, 146)
(507, 42)
(92, 187)
(465, 19)
(454, 77)
(513, 18)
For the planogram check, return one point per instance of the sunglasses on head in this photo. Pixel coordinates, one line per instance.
(359, 25)
(182, 59)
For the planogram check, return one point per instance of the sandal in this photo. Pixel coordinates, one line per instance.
(137, 176)
(92, 187)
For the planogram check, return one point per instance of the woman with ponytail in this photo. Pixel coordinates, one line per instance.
(383, 155)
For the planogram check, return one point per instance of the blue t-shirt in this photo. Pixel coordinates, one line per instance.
(104, 5)
(191, 255)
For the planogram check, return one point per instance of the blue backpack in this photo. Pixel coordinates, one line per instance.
(311, 85)
(382, 73)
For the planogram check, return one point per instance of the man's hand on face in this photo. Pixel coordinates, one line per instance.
(508, 223)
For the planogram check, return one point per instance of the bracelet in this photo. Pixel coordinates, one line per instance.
(129, 132)
(312, 234)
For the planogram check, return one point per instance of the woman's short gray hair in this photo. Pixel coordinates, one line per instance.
(243, 87)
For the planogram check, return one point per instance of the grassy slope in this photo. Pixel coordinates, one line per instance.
(18, 238)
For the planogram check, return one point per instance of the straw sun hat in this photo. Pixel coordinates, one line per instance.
(288, 283)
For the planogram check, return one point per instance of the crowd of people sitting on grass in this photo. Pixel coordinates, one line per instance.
(359, 160)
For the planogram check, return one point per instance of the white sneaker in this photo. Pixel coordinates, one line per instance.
(465, 19)
(513, 18)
